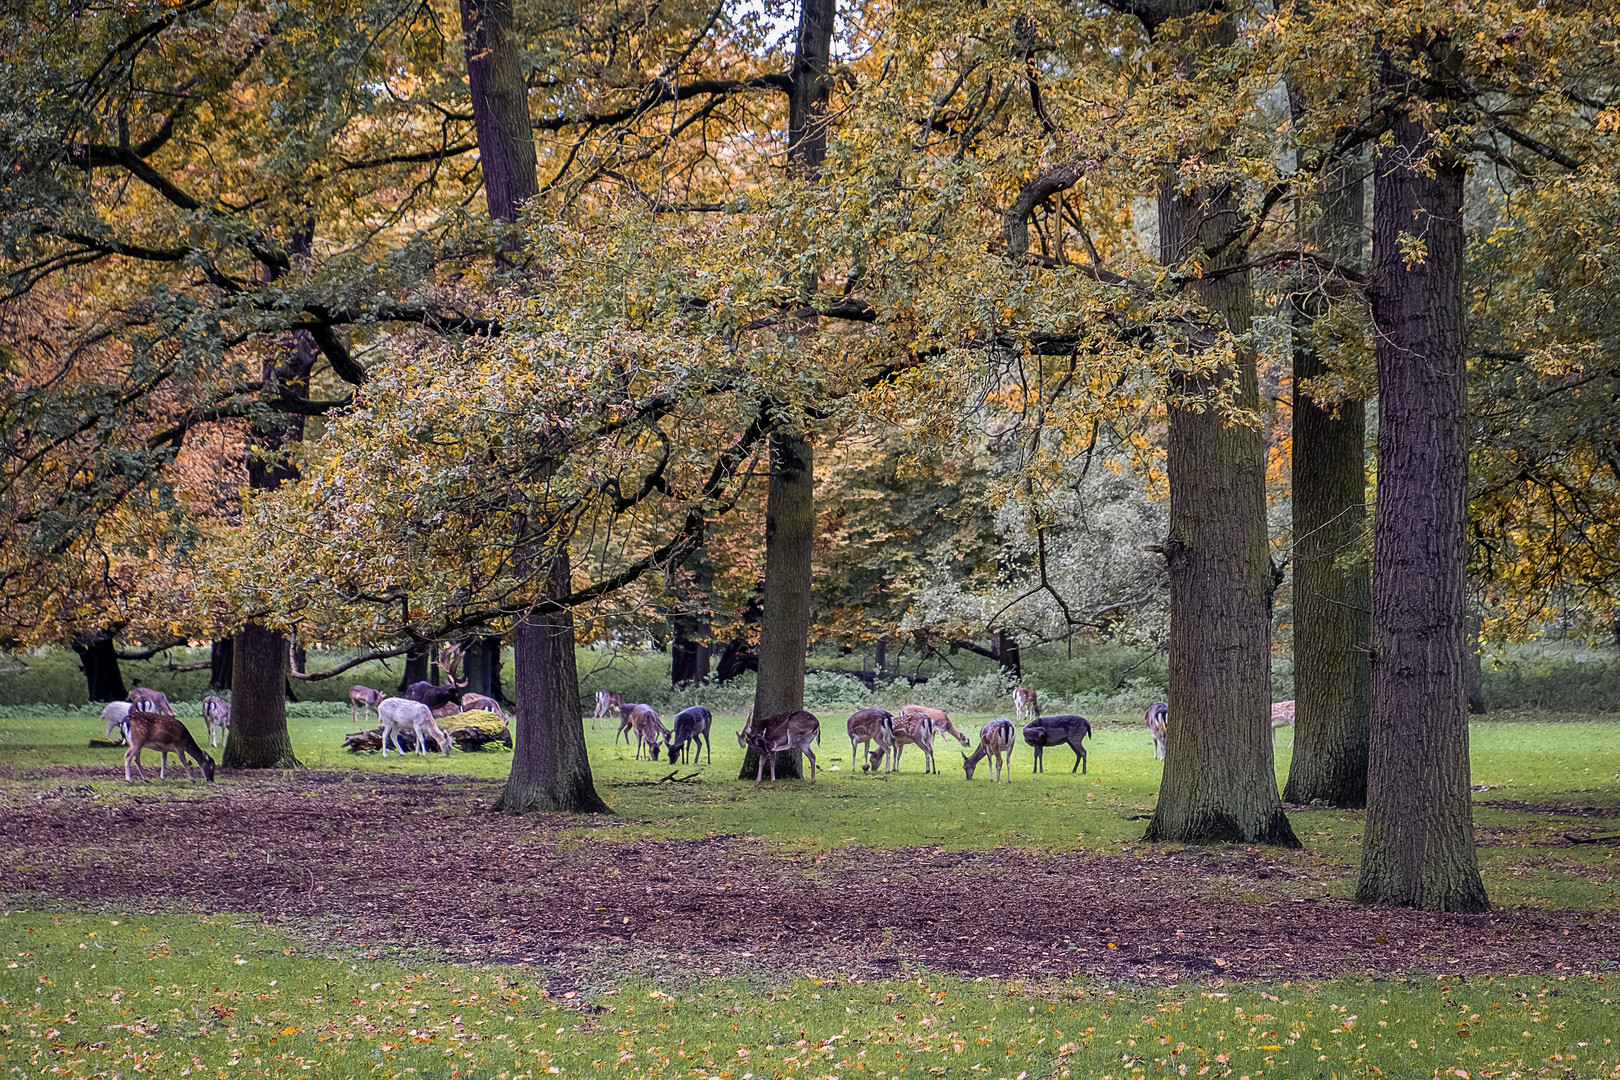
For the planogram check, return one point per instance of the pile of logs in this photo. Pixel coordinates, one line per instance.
(472, 731)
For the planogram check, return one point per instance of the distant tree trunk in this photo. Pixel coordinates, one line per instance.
(1418, 846)
(500, 104)
(1219, 775)
(880, 659)
(481, 664)
(1332, 588)
(790, 526)
(220, 662)
(690, 627)
(416, 669)
(1006, 647)
(551, 771)
(258, 736)
(1473, 668)
(99, 659)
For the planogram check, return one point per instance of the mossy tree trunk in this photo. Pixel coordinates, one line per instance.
(1418, 842)
(258, 737)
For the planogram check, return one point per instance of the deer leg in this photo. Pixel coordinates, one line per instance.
(811, 754)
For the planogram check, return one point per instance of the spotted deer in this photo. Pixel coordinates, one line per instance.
(910, 729)
(1157, 720)
(996, 738)
(1025, 705)
(941, 719)
(167, 735)
(608, 702)
(650, 730)
(785, 731)
(1282, 715)
(873, 729)
(145, 699)
(217, 715)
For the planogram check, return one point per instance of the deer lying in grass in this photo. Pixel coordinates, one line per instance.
(1057, 731)
(146, 699)
(1157, 719)
(114, 714)
(911, 729)
(469, 702)
(217, 715)
(362, 698)
(1024, 704)
(649, 728)
(996, 738)
(608, 702)
(399, 714)
(165, 734)
(1282, 715)
(692, 732)
(435, 695)
(941, 719)
(785, 731)
(870, 728)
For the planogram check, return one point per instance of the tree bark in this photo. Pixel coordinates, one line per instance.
(1418, 846)
(1219, 774)
(500, 103)
(551, 771)
(417, 662)
(220, 663)
(1012, 667)
(1332, 588)
(690, 628)
(99, 660)
(790, 526)
(258, 736)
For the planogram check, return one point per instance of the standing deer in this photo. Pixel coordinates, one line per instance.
(785, 731)
(995, 739)
(941, 719)
(397, 714)
(217, 715)
(1057, 731)
(114, 714)
(649, 728)
(148, 700)
(1282, 715)
(362, 698)
(167, 735)
(1025, 705)
(871, 728)
(1158, 722)
(436, 695)
(608, 702)
(911, 729)
(692, 730)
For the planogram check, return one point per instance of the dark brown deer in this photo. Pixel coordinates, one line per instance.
(437, 695)
(1058, 731)
(167, 735)
(785, 731)
(692, 730)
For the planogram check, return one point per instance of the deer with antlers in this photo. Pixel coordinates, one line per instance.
(436, 695)
(167, 735)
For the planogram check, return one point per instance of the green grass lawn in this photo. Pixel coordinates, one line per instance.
(225, 996)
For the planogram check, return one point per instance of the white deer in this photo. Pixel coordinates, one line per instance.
(398, 714)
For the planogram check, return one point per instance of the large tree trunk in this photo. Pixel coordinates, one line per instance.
(1332, 588)
(500, 103)
(551, 771)
(258, 736)
(417, 662)
(99, 659)
(790, 527)
(220, 663)
(1219, 774)
(1418, 846)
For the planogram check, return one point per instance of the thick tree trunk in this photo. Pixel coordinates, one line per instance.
(880, 658)
(220, 663)
(417, 663)
(258, 736)
(1006, 646)
(1418, 846)
(481, 665)
(551, 771)
(1332, 588)
(790, 526)
(1219, 774)
(500, 103)
(99, 659)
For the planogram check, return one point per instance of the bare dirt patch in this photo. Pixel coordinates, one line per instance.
(421, 861)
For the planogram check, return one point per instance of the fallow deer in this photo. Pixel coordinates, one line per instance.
(870, 728)
(692, 732)
(941, 719)
(1025, 705)
(167, 735)
(217, 715)
(434, 695)
(995, 739)
(114, 714)
(148, 700)
(1282, 715)
(912, 729)
(649, 728)
(362, 698)
(608, 702)
(1058, 731)
(469, 702)
(1157, 719)
(398, 714)
(785, 731)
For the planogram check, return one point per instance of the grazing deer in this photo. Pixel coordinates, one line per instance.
(148, 700)
(469, 702)
(995, 739)
(362, 698)
(217, 715)
(649, 728)
(1158, 722)
(397, 714)
(436, 695)
(1282, 715)
(1025, 705)
(114, 714)
(785, 731)
(871, 728)
(608, 702)
(625, 728)
(1056, 731)
(911, 729)
(692, 730)
(165, 734)
(941, 719)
